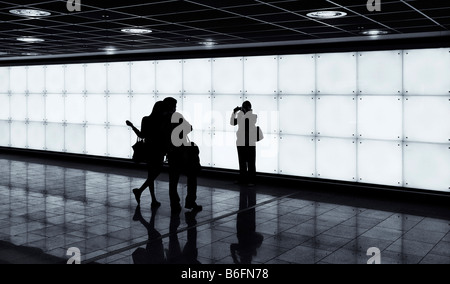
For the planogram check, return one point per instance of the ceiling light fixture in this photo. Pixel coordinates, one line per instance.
(136, 31)
(32, 13)
(109, 49)
(30, 39)
(208, 43)
(327, 14)
(30, 53)
(373, 32)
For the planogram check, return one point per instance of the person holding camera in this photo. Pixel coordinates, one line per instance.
(247, 136)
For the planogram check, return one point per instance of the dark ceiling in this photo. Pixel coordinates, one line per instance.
(178, 24)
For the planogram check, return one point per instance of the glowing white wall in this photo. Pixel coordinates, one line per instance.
(378, 117)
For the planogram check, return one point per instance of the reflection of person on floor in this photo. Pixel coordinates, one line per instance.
(190, 253)
(248, 239)
(154, 251)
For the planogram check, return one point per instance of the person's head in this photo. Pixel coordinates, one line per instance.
(158, 108)
(170, 104)
(246, 106)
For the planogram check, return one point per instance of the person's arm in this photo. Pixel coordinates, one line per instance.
(137, 131)
(233, 119)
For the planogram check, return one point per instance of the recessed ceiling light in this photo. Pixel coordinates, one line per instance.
(30, 13)
(109, 49)
(327, 14)
(30, 53)
(30, 39)
(374, 32)
(208, 43)
(136, 31)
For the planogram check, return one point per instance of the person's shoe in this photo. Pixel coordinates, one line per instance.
(155, 205)
(176, 209)
(137, 195)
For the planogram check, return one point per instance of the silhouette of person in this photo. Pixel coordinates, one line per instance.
(247, 137)
(153, 131)
(248, 239)
(182, 158)
(189, 254)
(154, 250)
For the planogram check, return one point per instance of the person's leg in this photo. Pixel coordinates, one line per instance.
(154, 175)
(138, 191)
(174, 177)
(251, 160)
(242, 164)
(191, 196)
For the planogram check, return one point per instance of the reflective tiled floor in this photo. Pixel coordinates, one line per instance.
(49, 206)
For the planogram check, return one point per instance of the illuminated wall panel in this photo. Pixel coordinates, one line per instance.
(336, 116)
(336, 74)
(18, 107)
(267, 154)
(119, 141)
(54, 108)
(18, 80)
(426, 71)
(36, 135)
(96, 140)
(169, 77)
(18, 134)
(75, 139)
(96, 109)
(228, 75)
(427, 166)
(96, 78)
(119, 78)
(224, 152)
(380, 162)
(380, 72)
(4, 106)
(260, 75)
(54, 137)
(197, 76)
(143, 77)
(379, 117)
(141, 105)
(297, 115)
(4, 80)
(4, 130)
(197, 111)
(297, 155)
(36, 107)
(297, 74)
(427, 119)
(222, 108)
(74, 79)
(36, 79)
(119, 107)
(336, 159)
(266, 108)
(75, 108)
(54, 79)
